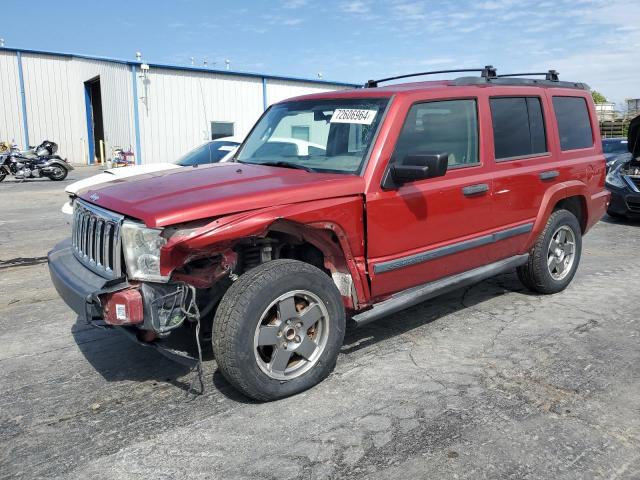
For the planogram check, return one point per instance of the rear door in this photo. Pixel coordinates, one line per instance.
(523, 156)
(428, 229)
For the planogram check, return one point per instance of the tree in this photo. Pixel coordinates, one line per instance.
(598, 97)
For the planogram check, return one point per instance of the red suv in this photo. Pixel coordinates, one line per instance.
(404, 192)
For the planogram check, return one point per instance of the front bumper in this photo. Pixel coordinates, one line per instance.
(78, 286)
(148, 306)
(624, 202)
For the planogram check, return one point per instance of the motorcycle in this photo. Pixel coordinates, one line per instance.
(40, 161)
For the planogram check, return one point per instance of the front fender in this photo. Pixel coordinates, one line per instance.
(335, 226)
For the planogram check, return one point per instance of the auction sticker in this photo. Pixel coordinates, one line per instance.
(352, 115)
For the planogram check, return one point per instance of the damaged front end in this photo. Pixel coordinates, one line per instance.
(109, 273)
(117, 272)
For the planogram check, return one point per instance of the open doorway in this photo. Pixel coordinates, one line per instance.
(95, 127)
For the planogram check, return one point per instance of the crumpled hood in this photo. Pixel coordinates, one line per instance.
(186, 194)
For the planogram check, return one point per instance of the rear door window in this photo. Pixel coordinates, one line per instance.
(573, 122)
(518, 127)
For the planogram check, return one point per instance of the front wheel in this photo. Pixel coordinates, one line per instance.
(554, 258)
(58, 173)
(3, 176)
(278, 329)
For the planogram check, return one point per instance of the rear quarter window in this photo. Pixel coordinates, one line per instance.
(574, 125)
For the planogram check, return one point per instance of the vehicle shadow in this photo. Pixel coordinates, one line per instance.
(620, 221)
(431, 311)
(116, 357)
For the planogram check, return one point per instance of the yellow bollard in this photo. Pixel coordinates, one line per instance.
(101, 152)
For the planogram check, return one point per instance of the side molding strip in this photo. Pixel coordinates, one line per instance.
(419, 294)
(421, 257)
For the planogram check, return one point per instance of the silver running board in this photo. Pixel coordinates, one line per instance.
(419, 294)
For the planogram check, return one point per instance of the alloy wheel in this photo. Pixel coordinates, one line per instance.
(561, 252)
(291, 335)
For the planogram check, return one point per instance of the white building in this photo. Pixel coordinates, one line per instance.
(606, 111)
(157, 113)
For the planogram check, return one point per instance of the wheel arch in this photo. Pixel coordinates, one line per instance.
(569, 195)
(577, 205)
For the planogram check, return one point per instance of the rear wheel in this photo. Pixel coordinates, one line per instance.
(278, 329)
(554, 259)
(58, 173)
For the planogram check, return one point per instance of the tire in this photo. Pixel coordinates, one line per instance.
(545, 271)
(2, 176)
(59, 174)
(257, 351)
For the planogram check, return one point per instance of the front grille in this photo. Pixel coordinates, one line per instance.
(633, 203)
(96, 239)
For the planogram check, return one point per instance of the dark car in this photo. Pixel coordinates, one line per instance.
(615, 150)
(623, 180)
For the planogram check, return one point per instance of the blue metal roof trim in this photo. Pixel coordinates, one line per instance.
(181, 67)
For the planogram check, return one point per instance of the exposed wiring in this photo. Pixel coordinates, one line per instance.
(192, 312)
(183, 298)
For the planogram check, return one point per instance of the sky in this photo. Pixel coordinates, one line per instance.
(592, 41)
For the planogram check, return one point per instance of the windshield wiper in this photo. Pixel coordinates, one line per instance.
(287, 165)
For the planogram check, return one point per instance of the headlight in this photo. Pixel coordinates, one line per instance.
(613, 178)
(141, 247)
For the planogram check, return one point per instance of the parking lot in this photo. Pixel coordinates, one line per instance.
(486, 382)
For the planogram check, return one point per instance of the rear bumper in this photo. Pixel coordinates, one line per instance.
(78, 286)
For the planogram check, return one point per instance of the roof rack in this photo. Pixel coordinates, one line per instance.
(551, 75)
(487, 72)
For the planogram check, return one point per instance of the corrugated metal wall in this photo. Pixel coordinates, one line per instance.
(56, 108)
(176, 107)
(10, 112)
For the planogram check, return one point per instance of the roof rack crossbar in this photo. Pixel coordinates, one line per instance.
(487, 72)
(551, 75)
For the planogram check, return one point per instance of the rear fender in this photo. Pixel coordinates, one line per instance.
(552, 196)
(55, 161)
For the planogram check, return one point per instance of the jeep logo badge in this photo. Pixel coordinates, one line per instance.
(94, 197)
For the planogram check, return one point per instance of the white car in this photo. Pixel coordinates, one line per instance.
(214, 151)
(292, 146)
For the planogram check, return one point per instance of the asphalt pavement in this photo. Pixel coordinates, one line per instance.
(487, 382)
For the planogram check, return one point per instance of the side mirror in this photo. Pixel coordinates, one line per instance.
(419, 166)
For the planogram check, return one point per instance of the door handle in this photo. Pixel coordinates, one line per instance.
(470, 190)
(549, 175)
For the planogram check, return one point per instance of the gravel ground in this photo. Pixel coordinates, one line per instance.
(486, 382)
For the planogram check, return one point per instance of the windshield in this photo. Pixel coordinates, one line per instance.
(210, 152)
(317, 135)
(614, 146)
